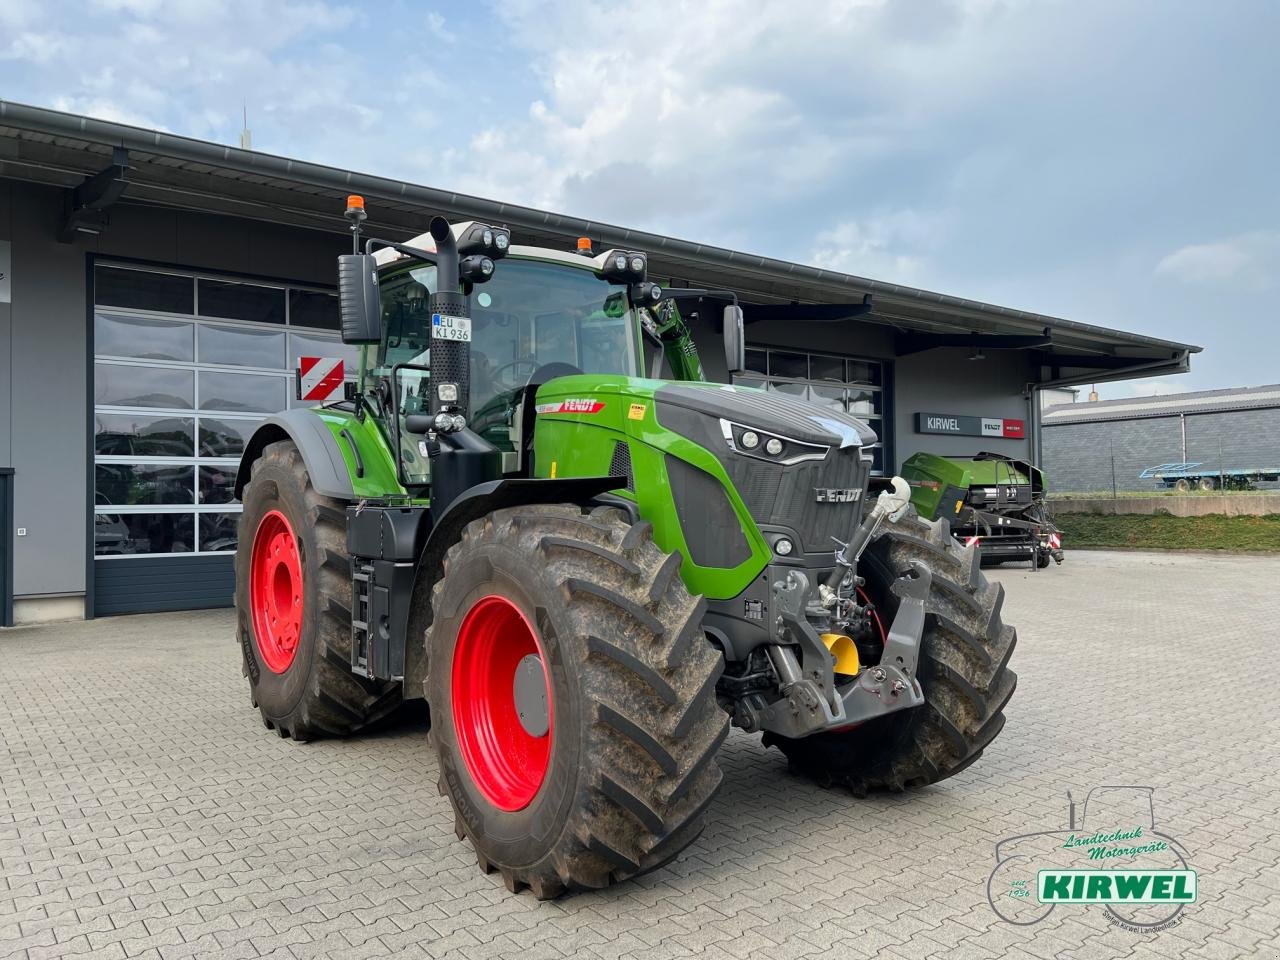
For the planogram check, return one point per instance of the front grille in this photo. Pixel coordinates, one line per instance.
(787, 495)
(816, 522)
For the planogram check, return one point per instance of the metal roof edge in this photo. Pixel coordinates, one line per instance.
(111, 133)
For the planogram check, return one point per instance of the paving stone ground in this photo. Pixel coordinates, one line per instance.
(146, 812)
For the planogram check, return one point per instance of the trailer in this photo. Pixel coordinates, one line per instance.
(1185, 477)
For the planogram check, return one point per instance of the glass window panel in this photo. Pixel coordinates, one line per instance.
(242, 346)
(310, 309)
(241, 391)
(128, 434)
(757, 361)
(877, 459)
(218, 531)
(224, 438)
(117, 534)
(241, 301)
(141, 290)
(864, 401)
(791, 389)
(862, 371)
(303, 345)
(130, 386)
(788, 364)
(118, 484)
(217, 484)
(830, 397)
(148, 338)
(826, 368)
(876, 425)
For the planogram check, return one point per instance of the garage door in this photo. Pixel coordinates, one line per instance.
(849, 384)
(185, 366)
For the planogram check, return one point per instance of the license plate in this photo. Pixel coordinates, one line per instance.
(450, 328)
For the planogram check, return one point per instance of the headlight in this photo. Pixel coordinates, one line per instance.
(488, 238)
(750, 440)
(773, 446)
(637, 264)
(783, 547)
(620, 262)
(501, 240)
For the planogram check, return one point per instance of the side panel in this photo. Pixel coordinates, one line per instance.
(579, 440)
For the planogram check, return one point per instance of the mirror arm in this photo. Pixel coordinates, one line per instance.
(374, 243)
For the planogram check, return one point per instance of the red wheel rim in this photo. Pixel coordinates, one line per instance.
(506, 762)
(275, 591)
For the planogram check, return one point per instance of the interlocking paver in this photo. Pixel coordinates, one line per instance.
(145, 812)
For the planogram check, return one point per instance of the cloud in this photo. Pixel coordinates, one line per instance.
(1251, 259)
(887, 246)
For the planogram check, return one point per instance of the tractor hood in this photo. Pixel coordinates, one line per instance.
(771, 412)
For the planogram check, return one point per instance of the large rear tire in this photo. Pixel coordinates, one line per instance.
(963, 669)
(573, 693)
(293, 595)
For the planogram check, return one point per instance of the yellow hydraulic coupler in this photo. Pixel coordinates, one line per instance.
(845, 651)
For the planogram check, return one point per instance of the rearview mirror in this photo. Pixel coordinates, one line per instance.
(735, 348)
(358, 301)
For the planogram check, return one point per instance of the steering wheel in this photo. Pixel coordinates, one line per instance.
(505, 376)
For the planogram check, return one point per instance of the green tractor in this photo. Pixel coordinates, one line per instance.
(589, 573)
(995, 503)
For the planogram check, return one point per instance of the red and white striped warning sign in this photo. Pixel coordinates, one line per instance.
(319, 378)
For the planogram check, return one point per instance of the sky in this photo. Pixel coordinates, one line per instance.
(1108, 162)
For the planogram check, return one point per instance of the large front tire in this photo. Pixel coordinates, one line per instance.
(963, 669)
(293, 590)
(574, 695)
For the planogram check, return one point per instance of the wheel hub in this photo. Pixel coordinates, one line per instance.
(530, 693)
(502, 703)
(275, 591)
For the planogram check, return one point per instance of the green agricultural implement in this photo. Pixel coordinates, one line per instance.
(993, 502)
(590, 574)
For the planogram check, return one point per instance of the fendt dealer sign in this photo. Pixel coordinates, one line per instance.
(959, 426)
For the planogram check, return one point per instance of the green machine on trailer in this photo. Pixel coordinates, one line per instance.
(992, 501)
(589, 573)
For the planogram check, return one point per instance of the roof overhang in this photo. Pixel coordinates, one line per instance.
(64, 150)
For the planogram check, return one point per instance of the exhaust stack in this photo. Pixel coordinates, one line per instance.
(450, 331)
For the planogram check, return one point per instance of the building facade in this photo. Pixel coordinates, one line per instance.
(1086, 445)
(156, 293)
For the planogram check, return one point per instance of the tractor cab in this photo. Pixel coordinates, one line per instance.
(544, 314)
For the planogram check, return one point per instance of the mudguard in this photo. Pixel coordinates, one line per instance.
(314, 440)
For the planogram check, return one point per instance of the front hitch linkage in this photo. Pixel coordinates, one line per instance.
(810, 702)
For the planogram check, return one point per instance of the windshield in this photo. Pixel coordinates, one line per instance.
(531, 314)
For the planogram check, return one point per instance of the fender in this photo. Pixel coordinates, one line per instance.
(319, 449)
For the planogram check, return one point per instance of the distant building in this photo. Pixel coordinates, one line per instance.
(1236, 429)
(1054, 396)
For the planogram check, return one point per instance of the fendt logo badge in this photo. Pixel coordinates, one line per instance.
(828, 495)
